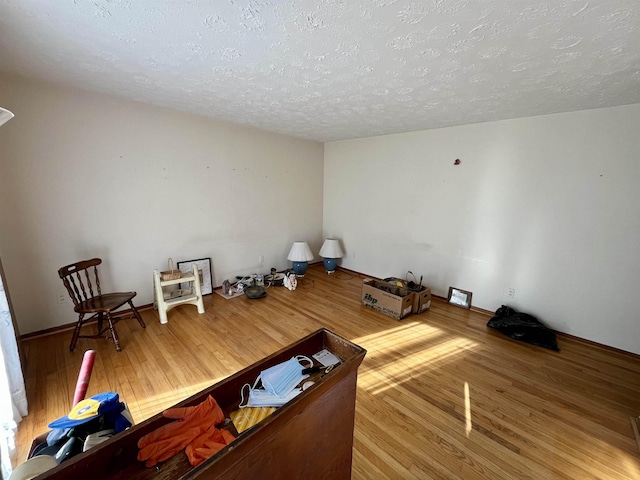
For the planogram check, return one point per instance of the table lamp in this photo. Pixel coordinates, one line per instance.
(300, 254)
(331, 251)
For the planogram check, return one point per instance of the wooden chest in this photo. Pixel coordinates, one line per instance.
(310, 437)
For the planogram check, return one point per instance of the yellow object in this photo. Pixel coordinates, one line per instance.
(244, 418)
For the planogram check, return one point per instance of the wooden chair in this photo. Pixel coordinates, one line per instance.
(80, 279)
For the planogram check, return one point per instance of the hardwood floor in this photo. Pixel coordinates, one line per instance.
(440, 395)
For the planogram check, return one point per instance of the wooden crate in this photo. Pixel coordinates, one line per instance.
(310, 437)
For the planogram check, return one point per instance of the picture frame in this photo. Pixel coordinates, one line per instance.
(204, 268)
(459, 297)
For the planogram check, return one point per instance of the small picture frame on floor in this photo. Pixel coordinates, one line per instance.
(204, 268)
(459, 297)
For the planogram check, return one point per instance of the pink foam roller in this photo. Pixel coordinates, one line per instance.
(84, 376)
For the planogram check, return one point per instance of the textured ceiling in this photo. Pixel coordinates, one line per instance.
(335, 69)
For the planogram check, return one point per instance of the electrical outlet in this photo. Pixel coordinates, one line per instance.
(62, 298)
(261, 259)
(511, 293)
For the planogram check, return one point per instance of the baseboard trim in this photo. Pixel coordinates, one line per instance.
(70, 326)
(599, 345)
(489, 313)
(444, 299)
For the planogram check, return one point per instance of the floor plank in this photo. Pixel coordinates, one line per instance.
(440, 396)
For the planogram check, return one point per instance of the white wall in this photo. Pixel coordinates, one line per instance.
(84, 175)
(547, 205)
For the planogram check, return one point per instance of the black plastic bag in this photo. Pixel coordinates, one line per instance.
(523, 327)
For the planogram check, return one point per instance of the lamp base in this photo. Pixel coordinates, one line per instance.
(300, 268)
(330, 264)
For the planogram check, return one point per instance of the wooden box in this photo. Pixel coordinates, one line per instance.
(310, 437)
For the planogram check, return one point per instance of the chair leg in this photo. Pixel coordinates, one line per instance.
(100, 321)
(135, 312)
(76, 333)
(114, 334)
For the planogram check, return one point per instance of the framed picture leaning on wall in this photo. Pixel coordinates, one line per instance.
(204, 268)
(459, 297)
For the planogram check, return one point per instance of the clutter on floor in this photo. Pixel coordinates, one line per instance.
(229, 295)
(394, 301)
(422, 294)
(183, 289)
(396, 297)
(254, 286)
(523, 327)
(255, 291)
(275, 279)
(290, 281)
(459, 297)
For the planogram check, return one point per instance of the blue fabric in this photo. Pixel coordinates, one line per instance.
(101, 404)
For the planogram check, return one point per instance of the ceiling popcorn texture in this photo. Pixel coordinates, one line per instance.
(335, 69)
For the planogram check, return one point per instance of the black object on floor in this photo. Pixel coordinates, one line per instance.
(255, 291)
(523, 327)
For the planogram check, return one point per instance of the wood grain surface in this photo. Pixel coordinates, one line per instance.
(440, 395)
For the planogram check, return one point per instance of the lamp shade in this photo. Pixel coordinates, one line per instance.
(5, 115)
(300, 252)
(331, 249)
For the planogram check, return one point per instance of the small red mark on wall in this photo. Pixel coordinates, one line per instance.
(457, 162)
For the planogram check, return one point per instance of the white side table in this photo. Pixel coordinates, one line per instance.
(192, 297)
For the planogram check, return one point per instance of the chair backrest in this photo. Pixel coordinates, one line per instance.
(80, 279)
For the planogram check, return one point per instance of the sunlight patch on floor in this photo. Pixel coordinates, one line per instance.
(631, 464)
(467, 409)
(409, 329)
(399, 354)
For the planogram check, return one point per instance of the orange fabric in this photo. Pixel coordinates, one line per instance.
(207, 444)
(189, 423)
